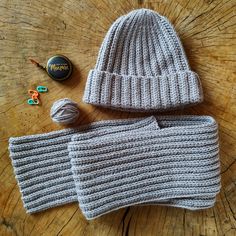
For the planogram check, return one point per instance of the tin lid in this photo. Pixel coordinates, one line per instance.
(59, 67)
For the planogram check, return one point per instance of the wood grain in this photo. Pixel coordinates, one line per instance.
(42, 28)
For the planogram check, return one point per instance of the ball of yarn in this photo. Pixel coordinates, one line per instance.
(64, 111)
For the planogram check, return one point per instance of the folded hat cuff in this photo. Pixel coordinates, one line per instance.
(176, 165)
(42, 164)
(142, 93)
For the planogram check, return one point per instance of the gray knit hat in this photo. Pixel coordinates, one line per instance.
(142, 66)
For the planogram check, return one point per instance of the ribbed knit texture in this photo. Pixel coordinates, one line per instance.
(176, 165)
(142, 66)
(42, 165)
(112, 164)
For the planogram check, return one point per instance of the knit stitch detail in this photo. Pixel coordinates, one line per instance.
(107, 165)
(177, 165)
(142, 66)
(42, 164)
(140, 92)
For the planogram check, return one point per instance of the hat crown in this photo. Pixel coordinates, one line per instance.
(142, 66)
(142, 43)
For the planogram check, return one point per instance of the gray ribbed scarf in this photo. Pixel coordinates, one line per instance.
(108, 165)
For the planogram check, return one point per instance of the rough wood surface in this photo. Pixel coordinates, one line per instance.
(40, 28)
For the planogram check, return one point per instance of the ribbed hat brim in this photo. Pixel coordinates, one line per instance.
(143, 93)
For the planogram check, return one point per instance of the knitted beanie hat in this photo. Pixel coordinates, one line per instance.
(142, 66)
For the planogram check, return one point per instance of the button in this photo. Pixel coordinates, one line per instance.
(59, 67)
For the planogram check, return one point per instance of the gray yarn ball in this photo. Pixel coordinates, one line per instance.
(64, 111)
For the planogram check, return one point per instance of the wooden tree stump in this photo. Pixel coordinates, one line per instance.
(42, 28)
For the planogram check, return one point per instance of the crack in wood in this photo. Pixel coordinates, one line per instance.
(228, 167)
(124, 231)
(140, 2)
(64, 23)
(67, 222)
(127, 228)
(232, 211)
(21, 22)
(8, 225)
(214, 218)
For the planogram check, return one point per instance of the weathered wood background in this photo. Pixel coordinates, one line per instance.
(40, 28)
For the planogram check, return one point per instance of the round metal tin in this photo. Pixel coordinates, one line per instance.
(59, 67)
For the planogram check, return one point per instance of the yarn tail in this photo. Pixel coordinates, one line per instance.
(37, 64)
